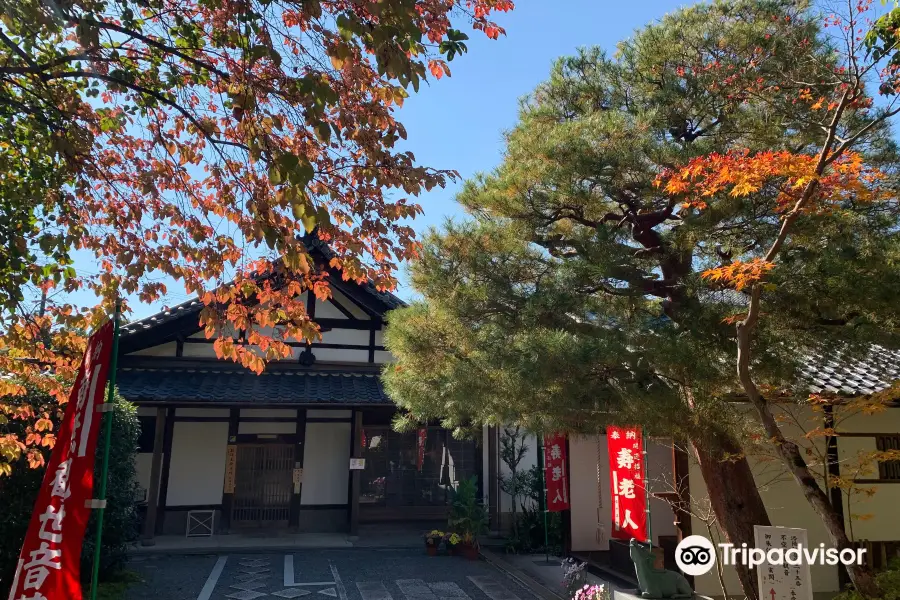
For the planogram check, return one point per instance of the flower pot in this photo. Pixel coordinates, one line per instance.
(468, 551)
(431, 550)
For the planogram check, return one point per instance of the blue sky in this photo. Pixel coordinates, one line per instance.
(458, 122)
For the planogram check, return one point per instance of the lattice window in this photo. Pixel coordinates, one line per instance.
(888, 469)
(395, 476)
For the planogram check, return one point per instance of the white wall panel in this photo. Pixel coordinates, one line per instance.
(326, 464)
(197, 470)
(254, 427)
(167, 349)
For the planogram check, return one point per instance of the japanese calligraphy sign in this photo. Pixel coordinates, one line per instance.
(784, 581)
(555, 473)
(49, 563)
(627, 476)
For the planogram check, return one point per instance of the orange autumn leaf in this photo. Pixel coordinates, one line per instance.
(738, 275)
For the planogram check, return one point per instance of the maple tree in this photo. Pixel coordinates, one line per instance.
(196, 140)
(597, 282)
(821, 179)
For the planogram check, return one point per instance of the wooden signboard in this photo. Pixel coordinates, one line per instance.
(230, 468)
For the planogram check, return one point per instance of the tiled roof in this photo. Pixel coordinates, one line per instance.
(191, 306)
(845, 376)
(240, 386)
(389, 300)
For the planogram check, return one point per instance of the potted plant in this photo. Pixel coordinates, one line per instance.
(451, 541)
(433, 541)
(468, 517)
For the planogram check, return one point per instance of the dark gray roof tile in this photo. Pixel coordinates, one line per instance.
(240, 386)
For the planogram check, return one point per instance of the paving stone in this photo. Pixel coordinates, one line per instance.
(246, 595)
(291, 593)
(248, 586)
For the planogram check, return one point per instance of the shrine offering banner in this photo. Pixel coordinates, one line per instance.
(555, 473)
(626, 472)
(421, 437)
(50, 560)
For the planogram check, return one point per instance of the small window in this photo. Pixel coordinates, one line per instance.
(148, 433)
(888, 469)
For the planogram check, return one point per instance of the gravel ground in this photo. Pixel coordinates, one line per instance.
(322, 575)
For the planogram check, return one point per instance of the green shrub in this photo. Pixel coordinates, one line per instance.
(18, 493)
(888, 582)
(121, 521)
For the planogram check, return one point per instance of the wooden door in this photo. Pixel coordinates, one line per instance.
(263, 486)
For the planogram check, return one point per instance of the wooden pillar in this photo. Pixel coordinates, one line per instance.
(832, 461)
(155, 476)
(300, 441)
(234, 419)
(166, 466)
(355, 475)
(493, 483)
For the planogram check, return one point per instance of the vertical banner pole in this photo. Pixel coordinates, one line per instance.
(546, 507)
(107, 435)
(647, 492)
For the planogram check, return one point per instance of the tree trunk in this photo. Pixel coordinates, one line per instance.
(734, 498)
(790, 454)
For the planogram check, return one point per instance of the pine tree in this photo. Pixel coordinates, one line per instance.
(576, 295)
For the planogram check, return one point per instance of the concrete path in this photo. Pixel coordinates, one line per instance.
(326, 574)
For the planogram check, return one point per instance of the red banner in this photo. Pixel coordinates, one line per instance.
(421, 437)
(626, 472)
(50, 562)
(555, 473)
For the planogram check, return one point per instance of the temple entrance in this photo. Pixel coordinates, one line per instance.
(263, 487)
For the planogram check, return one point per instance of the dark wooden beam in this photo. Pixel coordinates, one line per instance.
(342, 308)
(234, 420)
(311, 304)
(356, 452)
(833, 468)
(299, 447)
(372, 345)
(155, 476)
(493, 481)
(166, 467)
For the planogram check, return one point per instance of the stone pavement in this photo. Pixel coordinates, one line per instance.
(339, 574)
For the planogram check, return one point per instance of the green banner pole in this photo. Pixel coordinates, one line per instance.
(647, 492)
(545, 503)
(107, 435)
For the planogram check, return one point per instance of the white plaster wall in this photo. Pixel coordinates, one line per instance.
(288, 413)
(197, 469)
(142, 464)
(325, 310)
(336, 355)
(203, 412)
(254, 427)
(785, 505)
(345, 336)
(587, 533)
(347, 303)
(326, 464)
(198, 351)
(383, 356)
(167, 349)
(321, 413)
(528, 461)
